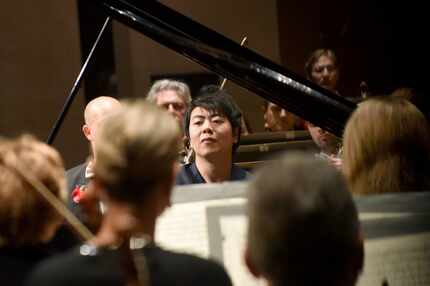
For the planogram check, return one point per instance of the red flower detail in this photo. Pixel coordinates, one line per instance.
(77, 193)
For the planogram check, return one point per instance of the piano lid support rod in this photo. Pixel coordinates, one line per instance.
(76, 86)
(243, 43)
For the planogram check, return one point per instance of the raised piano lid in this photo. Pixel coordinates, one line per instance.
(228, 59)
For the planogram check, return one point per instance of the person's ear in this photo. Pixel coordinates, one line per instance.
(249, 264)
(87, 132)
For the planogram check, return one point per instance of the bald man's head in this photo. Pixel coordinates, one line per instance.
(100, 107)
(95, 111)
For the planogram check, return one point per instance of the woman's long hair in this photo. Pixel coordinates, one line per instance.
(386, 147)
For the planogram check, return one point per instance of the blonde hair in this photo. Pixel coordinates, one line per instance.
(136, 150)
(179, 87)
(24, 214)
(386, 147)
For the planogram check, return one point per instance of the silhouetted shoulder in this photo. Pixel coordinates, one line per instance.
(104, 267)
(184, 269)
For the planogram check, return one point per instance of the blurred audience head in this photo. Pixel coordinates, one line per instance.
(386, 147)
(136, 155)
(303, 225)
(25, 217)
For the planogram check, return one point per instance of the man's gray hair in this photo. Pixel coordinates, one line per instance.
(179, 87)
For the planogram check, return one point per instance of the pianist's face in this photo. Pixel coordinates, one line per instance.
(173, 103)
(210, 133)
(325, 73)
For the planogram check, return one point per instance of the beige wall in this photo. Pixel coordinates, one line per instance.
(137, 57)
(40, 58)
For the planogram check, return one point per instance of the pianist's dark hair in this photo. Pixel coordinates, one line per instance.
(214, 100)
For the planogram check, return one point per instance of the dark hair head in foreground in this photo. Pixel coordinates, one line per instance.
(303, 224)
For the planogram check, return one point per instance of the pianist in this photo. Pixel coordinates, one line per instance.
(212, 128)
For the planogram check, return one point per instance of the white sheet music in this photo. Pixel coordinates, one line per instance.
(234, 248)
(184, 226)
(403, 261)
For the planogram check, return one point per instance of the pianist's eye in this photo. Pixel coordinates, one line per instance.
(198, 122)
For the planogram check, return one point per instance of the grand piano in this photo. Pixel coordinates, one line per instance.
(230, 60)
